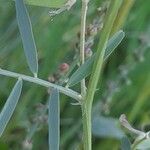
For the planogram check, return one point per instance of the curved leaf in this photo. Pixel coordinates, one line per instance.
(106, 128)
(125, 144)
(84, 70)
(27, 36)
(54, 120)
(47, 3)
(10, 106)
(114, 41)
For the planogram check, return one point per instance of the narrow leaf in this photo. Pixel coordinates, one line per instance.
(144, 145)
(27, 36)
(106, 128)
(47, 3)
(10, 106)
(125, 144)
(84, 70)
(114, 41)
(54, 120)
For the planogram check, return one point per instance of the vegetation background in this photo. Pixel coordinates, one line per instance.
(124, 88)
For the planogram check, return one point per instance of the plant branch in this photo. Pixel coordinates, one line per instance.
(44, 83)
(82, 40)
(87, 104)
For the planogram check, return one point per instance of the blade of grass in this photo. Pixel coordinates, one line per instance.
(10, 106)
(84, 70)
(25, 28)
(54, 120)
(47, 3)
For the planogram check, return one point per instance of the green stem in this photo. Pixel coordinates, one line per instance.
(87, 104)
(44, 83)
(82, 40)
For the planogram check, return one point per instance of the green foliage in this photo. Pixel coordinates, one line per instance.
(54, 120)
(84, 70)
(106, 128)
(10, 106)
(55, 38)
(27, 36)
(47, 3)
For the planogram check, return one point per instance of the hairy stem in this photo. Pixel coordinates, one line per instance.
(82, 40)
(44, 83)
(87, 104)
(82, 55)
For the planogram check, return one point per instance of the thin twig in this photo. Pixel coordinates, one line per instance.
(82, 40)
(44, 83)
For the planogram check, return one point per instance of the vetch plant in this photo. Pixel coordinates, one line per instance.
(91, 67)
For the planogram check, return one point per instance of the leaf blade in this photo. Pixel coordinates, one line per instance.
(84, 70)
(125, 144)
(25, 29)
(10, 106)
(106, 128)
(54, 120)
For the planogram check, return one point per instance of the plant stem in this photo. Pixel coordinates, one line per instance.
(82, 41)
(87, 104)
(44, 83)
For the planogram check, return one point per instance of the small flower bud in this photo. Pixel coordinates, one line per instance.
(64, 67)
(88, 52)
(92, 30)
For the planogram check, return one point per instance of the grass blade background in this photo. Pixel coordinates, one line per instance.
(10, 105)
(27, 36)
(47, 3)
(85, 69)
(54, 120)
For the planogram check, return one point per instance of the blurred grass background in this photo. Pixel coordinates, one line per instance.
(125, 85)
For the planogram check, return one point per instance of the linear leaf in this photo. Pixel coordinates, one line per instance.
(106, 128)
(125, 144)
(114, 41)
(54, 120)
(10, 106)
(25, 28)
(84, 70)
(47, 3)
